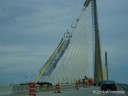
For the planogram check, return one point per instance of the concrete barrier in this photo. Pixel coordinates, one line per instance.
(68, 86)
(5, 90)
(18, 89)
(124, 86)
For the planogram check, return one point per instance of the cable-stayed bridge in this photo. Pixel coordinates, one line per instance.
(76, 59)
(78, 53)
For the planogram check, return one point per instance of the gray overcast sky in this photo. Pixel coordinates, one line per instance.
(31, 29)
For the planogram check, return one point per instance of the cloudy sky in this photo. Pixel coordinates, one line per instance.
(31, 29)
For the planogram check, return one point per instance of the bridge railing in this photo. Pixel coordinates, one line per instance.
(18, 89)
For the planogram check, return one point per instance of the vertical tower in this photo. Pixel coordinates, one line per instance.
(98, 74)
(106, 66)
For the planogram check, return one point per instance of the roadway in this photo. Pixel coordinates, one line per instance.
(122, 90)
